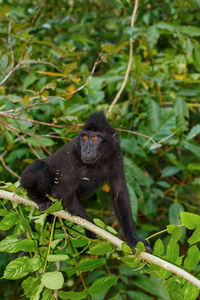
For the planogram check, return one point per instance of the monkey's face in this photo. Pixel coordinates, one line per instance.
(90, 144)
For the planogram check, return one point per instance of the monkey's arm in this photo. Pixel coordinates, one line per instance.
(121, 203)
(37, 180)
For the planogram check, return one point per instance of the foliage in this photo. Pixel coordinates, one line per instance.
(48, 51)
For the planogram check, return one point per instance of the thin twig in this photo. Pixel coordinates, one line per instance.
(98, 61)
(14, 131)
(108, 236)
(9, 74)
(129, 61)
(74, 258)
(14, 117)
(140, 134)
(6, 167)
(17, 66)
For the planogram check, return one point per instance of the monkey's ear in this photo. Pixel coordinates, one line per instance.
(115, 137)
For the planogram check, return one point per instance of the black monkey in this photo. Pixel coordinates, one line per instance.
(79, 168)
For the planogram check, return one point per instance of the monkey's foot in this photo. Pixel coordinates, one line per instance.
(147, 247)
(44, 206)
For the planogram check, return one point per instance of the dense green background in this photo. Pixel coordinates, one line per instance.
(54, 45)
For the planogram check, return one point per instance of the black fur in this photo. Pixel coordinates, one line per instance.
(79, 168)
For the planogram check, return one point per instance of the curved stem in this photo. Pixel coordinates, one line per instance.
(50, 241)
(129, 61)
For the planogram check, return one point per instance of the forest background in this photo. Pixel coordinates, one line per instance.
(62, 60)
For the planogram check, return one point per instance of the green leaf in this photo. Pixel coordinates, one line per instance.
(172, 251)
(17, 268)
(193, 132)
(3, 212)
(21, 266)
(158, 249)
(47, 295)
(19, 26)
(169, 171)
(181, 113)
(136, 172)
(189, 30)
(72, 295)
(193, 148)
(121, 45)
(165, 26)
(25, 245)
(30, 286)
(152, 286)
(36, 295)
(40, 141)
(174, 213)
(139, 247)
(130, 145)
(99, 223)
(102, 285)
(196, 57)
(191, 292)
(34, 264)
(8, 221)
(195, 238)
(70, 271)
(133, 202)
(154, 115)
(196, 181)
(155, 146)
(53, 280)
(91, 264)
(69, 68)
(4, 10)
(126, 249)
(176, 234)
(192, 259)
(111, 230)
(171, 228)
(57, 257)
(194, 166)
(174, 283)
(101, 248)
(109, 48)
(138, 295)
(131, 261)
(189, 220)
(57, 206)
(11, 244)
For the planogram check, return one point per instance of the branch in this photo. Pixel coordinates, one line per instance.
(107, 236)
(18, 65)
(98, 61)
(6, 167)
(129, 61)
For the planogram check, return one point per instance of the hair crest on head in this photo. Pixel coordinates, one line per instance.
(97, 122)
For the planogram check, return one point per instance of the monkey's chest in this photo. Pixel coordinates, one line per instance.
(88, 184)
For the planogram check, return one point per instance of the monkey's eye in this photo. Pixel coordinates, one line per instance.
(94, 138)
(84, 138)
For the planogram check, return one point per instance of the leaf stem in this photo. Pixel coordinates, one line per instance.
(50, 241)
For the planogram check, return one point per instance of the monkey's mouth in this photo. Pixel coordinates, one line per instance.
(89, 161)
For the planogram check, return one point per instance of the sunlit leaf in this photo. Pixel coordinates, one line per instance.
(102, 285)
(53, 280)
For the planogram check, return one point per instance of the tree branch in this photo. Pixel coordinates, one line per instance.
(107, 236)
(129, 61)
